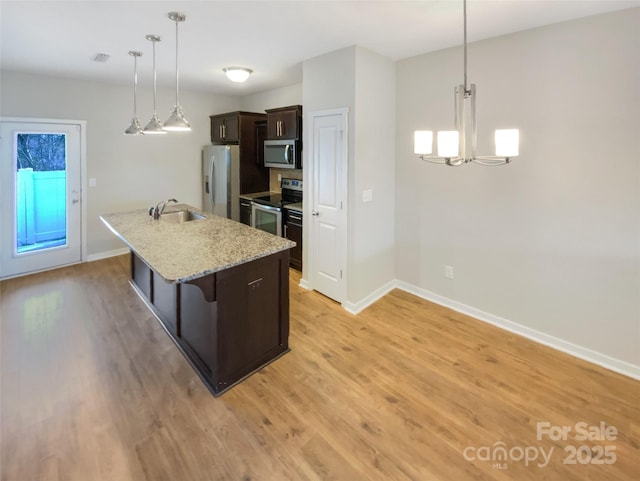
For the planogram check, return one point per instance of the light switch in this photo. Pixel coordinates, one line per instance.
(92, 182)
(367, 195)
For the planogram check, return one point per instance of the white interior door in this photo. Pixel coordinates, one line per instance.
(329, 194)
(40, 203)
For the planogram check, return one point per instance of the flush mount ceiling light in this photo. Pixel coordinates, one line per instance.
(176, 121)
(452, 145)
(237, 74)
(154, 126)
(135, 128)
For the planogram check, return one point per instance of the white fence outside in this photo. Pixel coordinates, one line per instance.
(40, 206)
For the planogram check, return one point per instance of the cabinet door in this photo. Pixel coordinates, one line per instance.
(284, 123)
(249, 315)
(224, 128)
(217, 123)
(245, 211)
(293, 231)
(230, 129)
(141, 276)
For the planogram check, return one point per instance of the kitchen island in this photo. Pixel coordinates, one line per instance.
(219, 288)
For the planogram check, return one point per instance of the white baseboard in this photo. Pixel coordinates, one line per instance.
(107, 254)
(584, 353)
(305, 284)
(356, 307)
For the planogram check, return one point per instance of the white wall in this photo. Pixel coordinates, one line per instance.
(371, 225)
(131, 172)
(363, 82)
(271, 99)
(551, 241)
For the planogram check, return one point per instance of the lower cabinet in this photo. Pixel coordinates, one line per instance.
(293, 231)
(245, 211)
(227, 324)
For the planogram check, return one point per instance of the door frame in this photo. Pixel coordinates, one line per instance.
(308, 231)
(83, 176)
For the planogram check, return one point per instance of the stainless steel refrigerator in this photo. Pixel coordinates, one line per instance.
(221, 180)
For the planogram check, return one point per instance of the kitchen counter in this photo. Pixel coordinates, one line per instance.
(256, 194)
(220, 289)
(182, 252)
(297, 207)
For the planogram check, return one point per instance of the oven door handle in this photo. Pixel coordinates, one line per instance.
(266, 207)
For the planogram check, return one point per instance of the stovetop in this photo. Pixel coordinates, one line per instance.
(291, 193)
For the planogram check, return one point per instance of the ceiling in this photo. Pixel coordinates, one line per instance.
(273, 38)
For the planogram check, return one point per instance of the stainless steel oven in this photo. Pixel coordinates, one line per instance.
(266, 218)
(266, 211)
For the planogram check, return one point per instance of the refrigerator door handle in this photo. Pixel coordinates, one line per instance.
(212, 181)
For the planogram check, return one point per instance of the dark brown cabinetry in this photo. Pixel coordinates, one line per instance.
(242, 129)
(245, 211)
(225, 128)
(228, 324)
(284, 123)
(293, 231)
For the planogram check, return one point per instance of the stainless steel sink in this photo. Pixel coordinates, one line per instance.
(181, 216)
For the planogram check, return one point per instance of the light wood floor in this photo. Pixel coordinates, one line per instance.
(93, 389)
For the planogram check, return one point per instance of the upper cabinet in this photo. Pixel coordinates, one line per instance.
(284, 123)
(225, 128)
(243, 129)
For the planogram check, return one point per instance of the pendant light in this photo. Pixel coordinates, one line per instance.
(134, 128)
(452, 145)
(176, 121)
(154, 126)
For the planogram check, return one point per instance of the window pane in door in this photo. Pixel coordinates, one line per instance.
(41, 186)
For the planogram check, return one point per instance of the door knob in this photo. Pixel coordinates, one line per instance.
(315, 212)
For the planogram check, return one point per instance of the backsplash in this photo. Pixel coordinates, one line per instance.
(274, 183)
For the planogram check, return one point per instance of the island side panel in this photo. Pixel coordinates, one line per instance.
(198, 329)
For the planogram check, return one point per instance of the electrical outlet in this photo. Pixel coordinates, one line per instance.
(92, 182)
(448, 272)
(367, 195)
(279, 177)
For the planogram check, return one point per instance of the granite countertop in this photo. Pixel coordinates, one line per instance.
(182, 252)
(297, 207)
(256, 194)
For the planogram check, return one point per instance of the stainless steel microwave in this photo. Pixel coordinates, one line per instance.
(283, 154)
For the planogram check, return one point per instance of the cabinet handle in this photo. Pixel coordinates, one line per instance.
(285, 231)
(245, 205)
(224, 130)
(291, 216)
(220, 130)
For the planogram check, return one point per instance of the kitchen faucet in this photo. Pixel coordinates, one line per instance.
(157, 211)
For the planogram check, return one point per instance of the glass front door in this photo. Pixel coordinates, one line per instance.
(41, 203)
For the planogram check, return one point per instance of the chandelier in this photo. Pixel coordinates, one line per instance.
(458, 147)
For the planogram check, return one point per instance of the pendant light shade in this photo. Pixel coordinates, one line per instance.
(176, 121)
(154, 126)
(135, 128)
